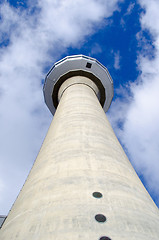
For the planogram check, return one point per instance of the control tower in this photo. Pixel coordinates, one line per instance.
(82, 185)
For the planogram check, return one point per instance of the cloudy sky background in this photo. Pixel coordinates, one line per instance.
(122, 35)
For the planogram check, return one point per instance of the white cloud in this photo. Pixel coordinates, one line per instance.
(96, 48)
(37, 36)
(117, 60)
(149, 20)
(130, 8)
(140, 130)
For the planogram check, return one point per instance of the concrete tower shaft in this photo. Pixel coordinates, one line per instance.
(81, 186)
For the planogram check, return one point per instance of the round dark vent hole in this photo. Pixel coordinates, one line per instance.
(104, 238)
(100, 218)
(97, 195)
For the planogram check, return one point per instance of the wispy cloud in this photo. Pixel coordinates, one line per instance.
(130, 8)
(96, 48)
(128, 12)
(117, 60)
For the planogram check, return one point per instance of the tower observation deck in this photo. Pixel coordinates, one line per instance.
(82, 185)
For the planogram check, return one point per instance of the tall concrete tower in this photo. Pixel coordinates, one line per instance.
(81, 186)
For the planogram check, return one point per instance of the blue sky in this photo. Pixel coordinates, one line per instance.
(122, 35)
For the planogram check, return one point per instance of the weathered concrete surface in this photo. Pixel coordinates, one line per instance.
(81, 155)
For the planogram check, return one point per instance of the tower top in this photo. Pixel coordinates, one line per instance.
(77, 65)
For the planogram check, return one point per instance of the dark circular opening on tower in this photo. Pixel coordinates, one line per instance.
(97, 195)
(100, 218)
(104, 238)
